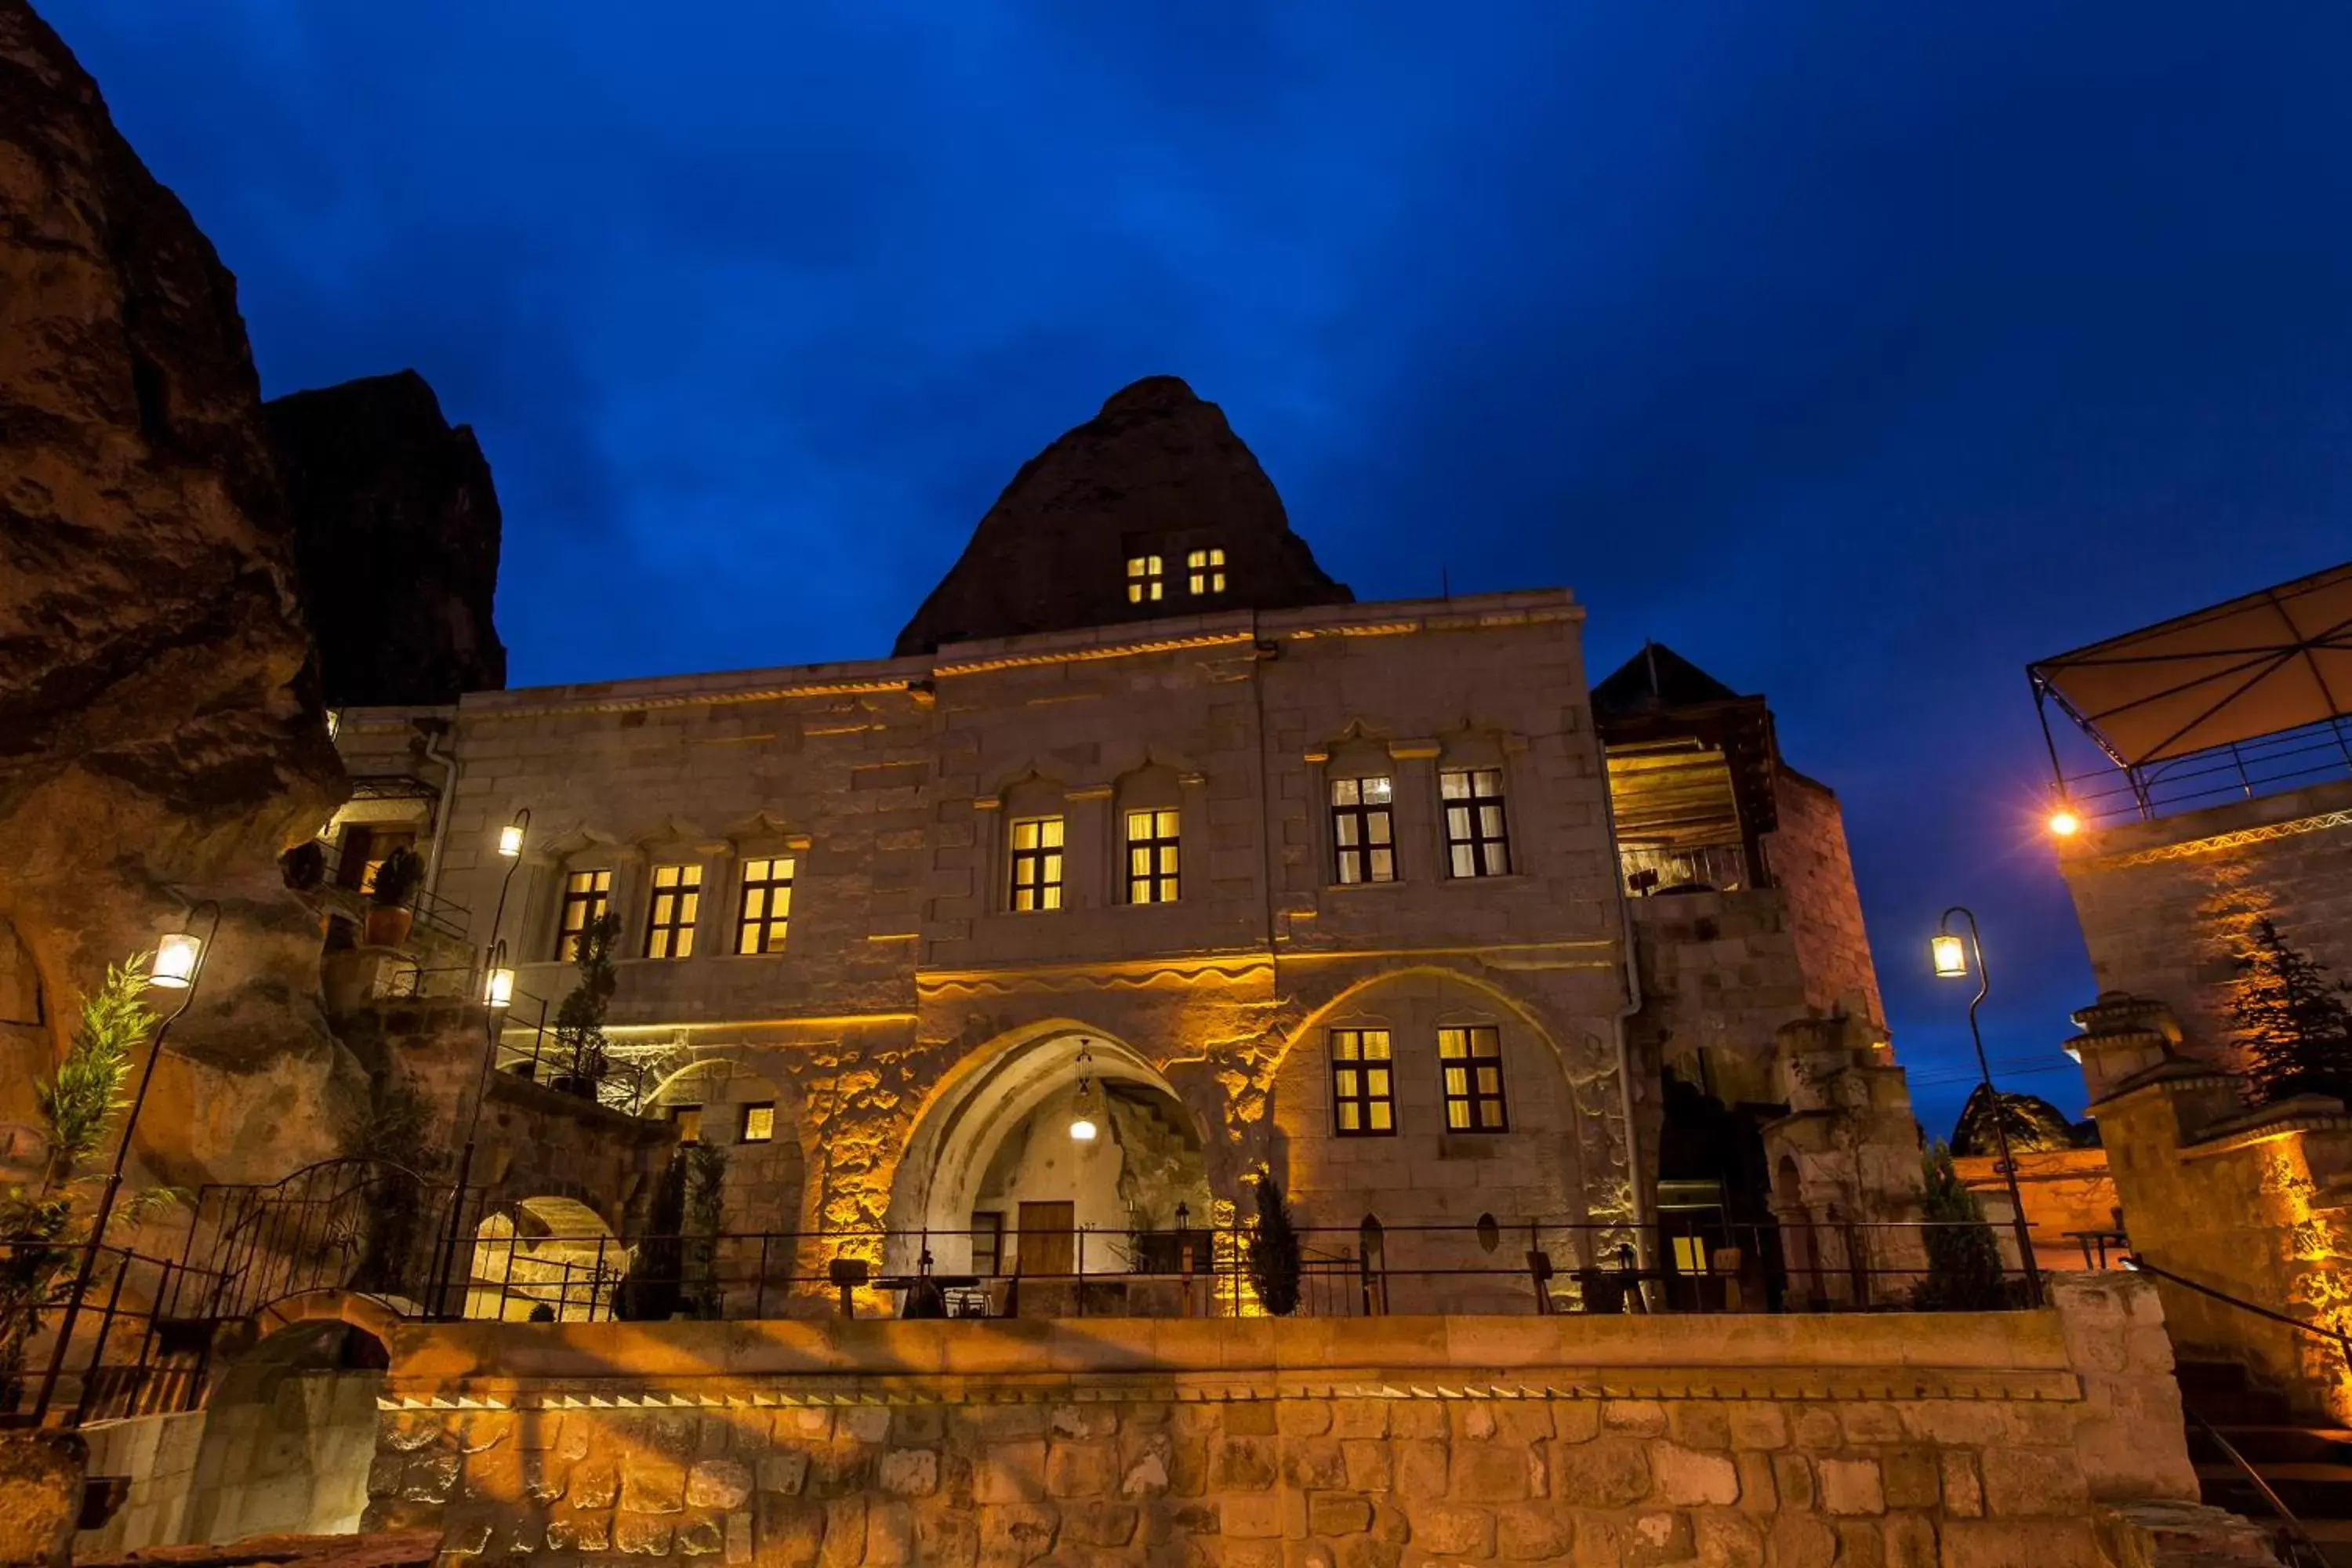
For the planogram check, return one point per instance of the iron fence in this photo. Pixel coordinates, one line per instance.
(127, 1353)
(2244, 770)
(1539, 1268)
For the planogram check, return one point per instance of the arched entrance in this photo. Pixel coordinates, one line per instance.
(999, 1183)
(547, 1260)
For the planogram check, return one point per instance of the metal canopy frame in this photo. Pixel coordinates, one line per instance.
(2317, 740)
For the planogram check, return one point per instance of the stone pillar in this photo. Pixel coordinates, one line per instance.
(1845, 1160)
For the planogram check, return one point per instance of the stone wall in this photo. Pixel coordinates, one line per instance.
(1978, 1441)
(2169, 907)
(1814, 871)
(2067, 1191)
(906, 978)
(2255, 1205)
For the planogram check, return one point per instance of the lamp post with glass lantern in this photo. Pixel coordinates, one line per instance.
(178, 965)
(1950, 957)
(497, 995)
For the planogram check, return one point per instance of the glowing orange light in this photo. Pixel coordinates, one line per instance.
(2064, 823)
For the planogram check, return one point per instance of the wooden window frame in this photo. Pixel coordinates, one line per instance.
(1147, 578)
(1356, 819)
(688, 1117)
(743, 1133)
(1158, 882)
(1205, 568)
(673, 911)
(1471, 1077)
(1038, 869)
(1467, 838)
(587, 897)
(1353, 1071)
(773, 930)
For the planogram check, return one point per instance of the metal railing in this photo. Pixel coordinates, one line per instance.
(1650, 871)
(2243, 770)
(128, 1355)
(1536, 1267)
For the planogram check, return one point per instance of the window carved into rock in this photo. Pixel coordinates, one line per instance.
(1145, 582)
(1206, 570)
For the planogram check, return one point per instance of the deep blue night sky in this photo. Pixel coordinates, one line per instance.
(1860, 354)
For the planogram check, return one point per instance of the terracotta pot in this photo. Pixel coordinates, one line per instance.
(388, 927)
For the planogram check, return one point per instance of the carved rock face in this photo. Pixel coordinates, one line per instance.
(1156, 473)
(158, 739)
(396, 532)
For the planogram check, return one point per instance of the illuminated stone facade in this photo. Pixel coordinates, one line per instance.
(1177, 841)
(2168, 908)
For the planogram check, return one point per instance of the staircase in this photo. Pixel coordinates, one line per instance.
(2306, 1463)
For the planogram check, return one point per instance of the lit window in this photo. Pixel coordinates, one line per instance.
(1037, 864)
(1476, 842)
(760, 1122)
(1207, 568)
(1690, 1255)
(1143, 580)
(586, 896)
(767, 904)
(1363, 1097)
(1472, 1062)
(1363, 829)
(688, 1119)
(677, 904)
(1152, 857)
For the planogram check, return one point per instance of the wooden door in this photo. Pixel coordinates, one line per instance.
(1047, 1245)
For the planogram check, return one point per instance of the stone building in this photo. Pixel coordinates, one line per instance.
(1148, 825)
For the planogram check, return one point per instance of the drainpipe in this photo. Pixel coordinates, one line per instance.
(1619, 1024)
(449, 761)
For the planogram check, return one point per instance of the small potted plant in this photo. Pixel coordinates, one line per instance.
(391, 898)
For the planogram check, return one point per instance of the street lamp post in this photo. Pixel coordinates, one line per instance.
(179, 964)
(497, 994)
(1951, 963)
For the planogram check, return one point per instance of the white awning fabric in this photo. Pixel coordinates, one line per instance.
(2269, 661)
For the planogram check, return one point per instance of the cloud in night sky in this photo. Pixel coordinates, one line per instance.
(1861, 354)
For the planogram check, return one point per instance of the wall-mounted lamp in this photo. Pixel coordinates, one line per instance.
(510, 835)
(499, 989)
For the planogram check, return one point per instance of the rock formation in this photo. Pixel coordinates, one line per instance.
(160, 740)
(396, 537)
(1157, 471)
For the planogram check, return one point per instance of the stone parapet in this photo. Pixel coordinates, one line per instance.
(1965, 1439)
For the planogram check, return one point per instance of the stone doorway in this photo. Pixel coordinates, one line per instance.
(1003, 1183)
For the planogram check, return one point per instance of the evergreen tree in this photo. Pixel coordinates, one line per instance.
(1273, 1256)
(1964, 1267)
(580, 1022)
(2293, 1025)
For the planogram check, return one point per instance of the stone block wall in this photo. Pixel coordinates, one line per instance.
(2169, 907)
(1814, 871)
(1905, 1439)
